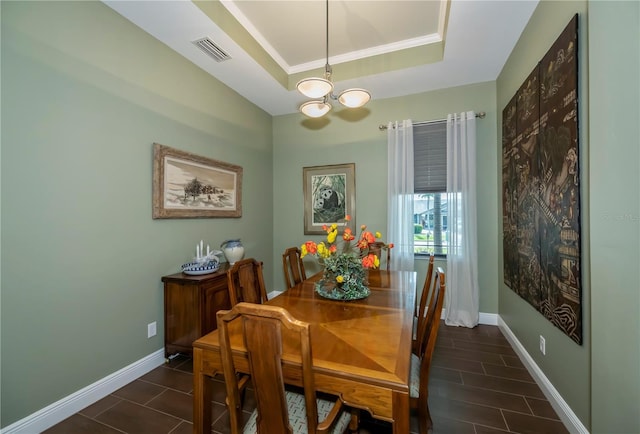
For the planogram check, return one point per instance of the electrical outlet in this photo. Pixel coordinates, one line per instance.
(151, 329)
(543, 345)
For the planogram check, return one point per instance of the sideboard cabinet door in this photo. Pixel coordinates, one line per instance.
(215, 297)
(190, 306)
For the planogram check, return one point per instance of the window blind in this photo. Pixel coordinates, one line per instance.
(430, 157)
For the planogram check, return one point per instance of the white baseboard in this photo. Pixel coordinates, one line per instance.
(485, 318)
(489, 318)
(273, 294)
(568, 417)
(62, 409)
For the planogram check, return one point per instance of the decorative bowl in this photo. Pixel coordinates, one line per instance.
(196, 268)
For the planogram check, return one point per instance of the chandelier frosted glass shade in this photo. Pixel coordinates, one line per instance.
(315, 109)
(355, 97)
(351, 98)
(314, 87)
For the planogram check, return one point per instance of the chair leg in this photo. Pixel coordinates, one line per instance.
(425, 424)
(354, 423)
(428, 418)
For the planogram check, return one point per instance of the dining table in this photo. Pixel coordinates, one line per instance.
(361, 348)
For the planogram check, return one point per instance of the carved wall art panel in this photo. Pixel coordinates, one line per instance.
(541, 188)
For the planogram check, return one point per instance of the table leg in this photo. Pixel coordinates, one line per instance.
(401, 413)
(201, 396)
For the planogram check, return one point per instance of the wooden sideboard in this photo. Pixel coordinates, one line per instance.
(190, 306)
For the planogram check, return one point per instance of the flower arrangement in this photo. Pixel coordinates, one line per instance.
(344, 265)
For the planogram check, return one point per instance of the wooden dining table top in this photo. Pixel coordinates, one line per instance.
(361, 348)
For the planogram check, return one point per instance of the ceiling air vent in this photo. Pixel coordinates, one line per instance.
(211, 49)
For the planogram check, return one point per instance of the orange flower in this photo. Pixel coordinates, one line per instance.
(347, 235)
(391, 245)
(311, 247)
(362, 244)
(347, 218)
(333, 248)
(369, 237)
(370, 261)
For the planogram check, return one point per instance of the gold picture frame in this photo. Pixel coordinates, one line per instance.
(186, 185)
(329, 195)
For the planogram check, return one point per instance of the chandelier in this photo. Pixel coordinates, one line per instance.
(321, 89)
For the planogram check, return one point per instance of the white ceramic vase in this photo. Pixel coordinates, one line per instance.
(233, 250)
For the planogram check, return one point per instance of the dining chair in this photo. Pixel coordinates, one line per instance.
(383, 252)
(421, 362)
(246, 283)
(293, 267)
(419, 315)
(278, 410)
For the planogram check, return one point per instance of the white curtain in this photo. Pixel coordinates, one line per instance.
(400, 194)
(462, 231)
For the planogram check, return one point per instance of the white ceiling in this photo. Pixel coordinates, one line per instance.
(478, 37)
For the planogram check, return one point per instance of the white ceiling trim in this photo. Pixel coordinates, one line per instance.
(249, 27)
(337, 59)
(369, 52)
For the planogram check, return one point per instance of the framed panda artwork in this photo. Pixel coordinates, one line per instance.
(329, 195)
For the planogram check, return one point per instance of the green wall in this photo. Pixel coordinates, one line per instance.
(614, 208)
(353, 137)
(85, 94)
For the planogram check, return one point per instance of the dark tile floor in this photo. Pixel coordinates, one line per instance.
(477, 386)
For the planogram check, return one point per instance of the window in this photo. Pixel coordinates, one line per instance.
(430, 186)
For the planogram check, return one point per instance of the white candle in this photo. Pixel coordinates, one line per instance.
(197, 251)
(207, 249)
(201, 249)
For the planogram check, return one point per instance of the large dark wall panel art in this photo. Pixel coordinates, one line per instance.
(541, 188)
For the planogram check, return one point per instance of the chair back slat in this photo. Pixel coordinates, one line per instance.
(263, 339)
(425, 295)
(432, 318)
(246, 282)
(293, 267)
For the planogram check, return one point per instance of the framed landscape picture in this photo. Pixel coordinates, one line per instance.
(329, 195)
(190, 186)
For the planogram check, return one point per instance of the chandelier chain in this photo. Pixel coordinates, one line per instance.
(327, 67)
